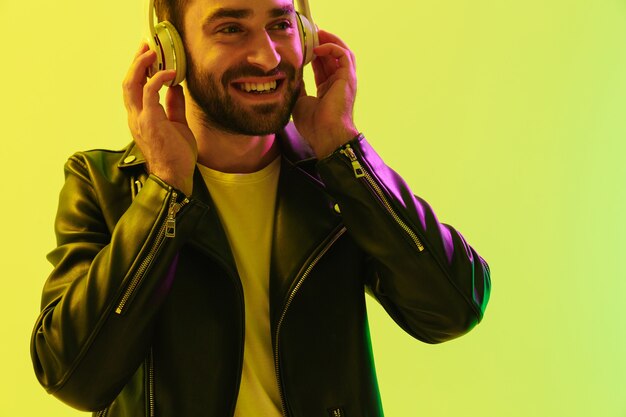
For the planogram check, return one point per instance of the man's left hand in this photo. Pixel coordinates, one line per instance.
(326, 121)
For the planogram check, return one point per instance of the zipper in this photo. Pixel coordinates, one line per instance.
(135, 186)
(234, 276)
(151, 384)
(170, 221)
(303, 277)
(102, 413)
(360, 172)
(167, 230)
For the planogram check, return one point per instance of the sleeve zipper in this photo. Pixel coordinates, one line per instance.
(170, 222)
(360, 172)
(167, 230)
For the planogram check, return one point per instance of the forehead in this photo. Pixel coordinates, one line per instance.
(253, 6)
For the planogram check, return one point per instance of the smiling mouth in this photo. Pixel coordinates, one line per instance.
(259, 88)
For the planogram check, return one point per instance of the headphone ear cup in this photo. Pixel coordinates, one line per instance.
(308, 38)
(170, 51)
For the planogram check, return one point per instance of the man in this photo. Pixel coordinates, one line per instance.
(217, 265)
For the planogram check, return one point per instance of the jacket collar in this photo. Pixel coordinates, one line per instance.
(293, 147)
(131, 157)
(300, 196)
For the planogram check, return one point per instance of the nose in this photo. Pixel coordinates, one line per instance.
(263, 53)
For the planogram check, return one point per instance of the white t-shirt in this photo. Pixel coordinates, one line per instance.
(245, 205)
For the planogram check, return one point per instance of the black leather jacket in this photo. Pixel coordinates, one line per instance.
(143, 312)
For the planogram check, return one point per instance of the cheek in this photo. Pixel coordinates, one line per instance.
(293, 52)
(212, 65)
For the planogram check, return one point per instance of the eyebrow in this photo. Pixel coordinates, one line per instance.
(231, 13)
(285, 10)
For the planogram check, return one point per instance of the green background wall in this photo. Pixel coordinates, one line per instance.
(508, 117)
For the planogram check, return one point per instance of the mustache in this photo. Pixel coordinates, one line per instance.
(247, 70)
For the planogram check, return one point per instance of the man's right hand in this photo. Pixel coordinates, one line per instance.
(163, 135)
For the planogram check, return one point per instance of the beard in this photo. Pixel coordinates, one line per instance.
(221, 111)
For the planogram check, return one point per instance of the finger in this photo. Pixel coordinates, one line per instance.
(339, 55)
(138, 69)
(335, 51)
(136, 79)
(143, 47)
(326, 66)
(330, 65)
(319, 70)
(175, 104)
(327, 37)
(152, 87)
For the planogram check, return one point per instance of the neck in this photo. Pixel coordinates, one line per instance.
(228, 152)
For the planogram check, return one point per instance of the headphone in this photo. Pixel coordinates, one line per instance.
(168, 45)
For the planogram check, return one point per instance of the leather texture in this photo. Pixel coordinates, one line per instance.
(176, 347)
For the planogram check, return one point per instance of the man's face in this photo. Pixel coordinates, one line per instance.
(244, 63)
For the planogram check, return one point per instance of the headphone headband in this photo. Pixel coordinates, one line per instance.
(151, 18)
(305, 10)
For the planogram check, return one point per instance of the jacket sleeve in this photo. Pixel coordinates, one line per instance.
(100, 301)
(425, 275)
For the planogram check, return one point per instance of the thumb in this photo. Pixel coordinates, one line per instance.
(302, 89)
(303, 111)
(175, 104)
(303, 104)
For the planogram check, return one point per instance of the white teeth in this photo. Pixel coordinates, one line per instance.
(260, 87)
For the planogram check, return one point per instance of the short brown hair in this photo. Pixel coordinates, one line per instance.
(172, 11)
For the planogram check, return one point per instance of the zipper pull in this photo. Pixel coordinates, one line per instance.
(356, 166)
(170, 222)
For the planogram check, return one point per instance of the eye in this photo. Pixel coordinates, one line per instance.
(229, 30)
(282, 25)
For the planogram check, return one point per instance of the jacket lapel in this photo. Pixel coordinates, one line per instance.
(210, 235)
(304, 218)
